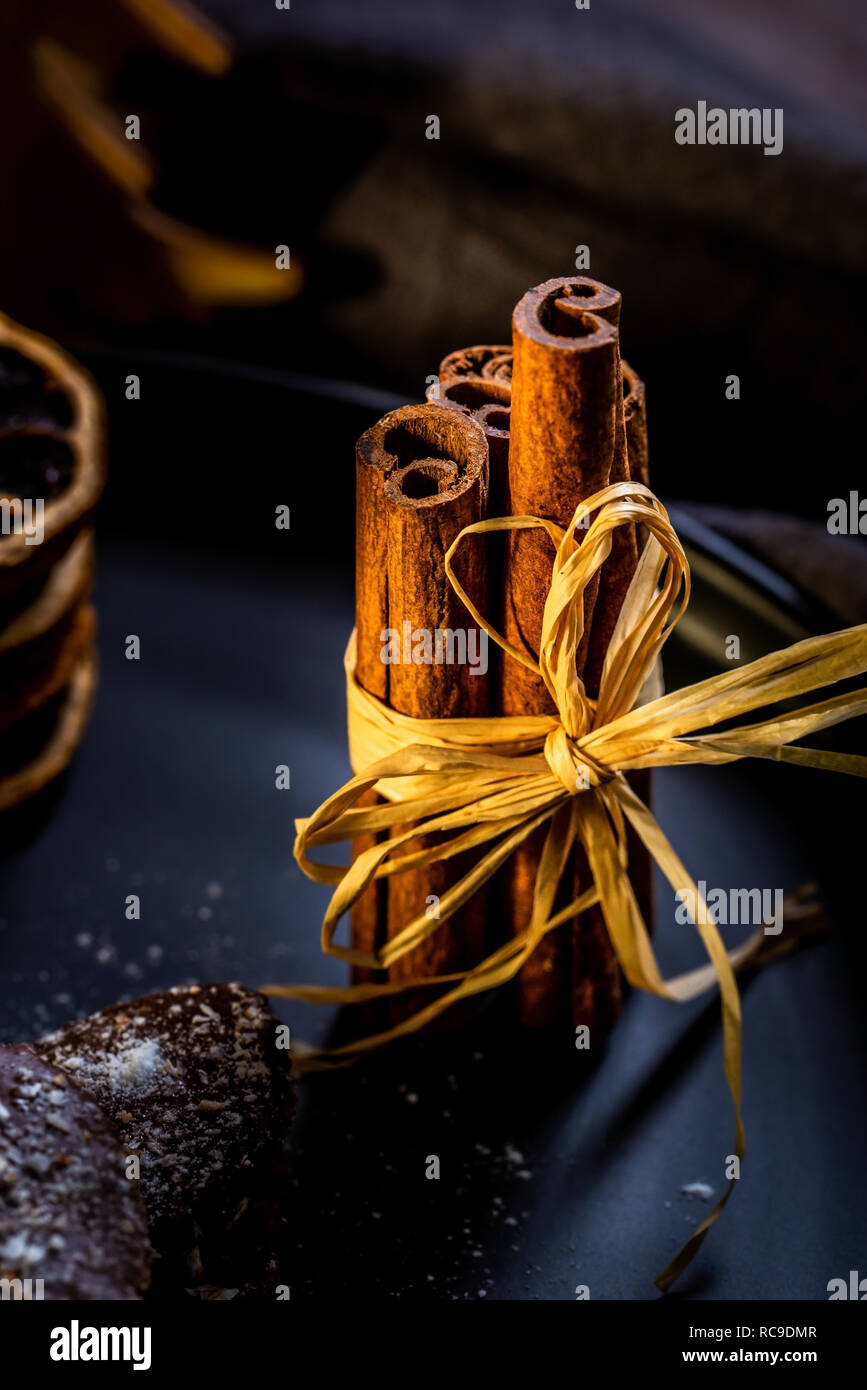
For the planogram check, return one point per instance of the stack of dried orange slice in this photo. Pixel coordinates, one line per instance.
(52, 471)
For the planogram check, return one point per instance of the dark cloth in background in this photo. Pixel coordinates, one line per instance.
(557, 129)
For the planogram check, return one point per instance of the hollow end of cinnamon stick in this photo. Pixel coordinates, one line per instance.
(475, 392)
(486, 360)
(496, 418)
(563, 301)
(426, 478)
(489, 402)
(499, 367)
(427, 430)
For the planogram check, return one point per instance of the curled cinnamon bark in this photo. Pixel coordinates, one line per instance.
(489, 402)
(422, 475)
(635, 412)
(567, 441)
(495, 364)
(564, 437)
(492, 362)
(620, 566)
(562, 416)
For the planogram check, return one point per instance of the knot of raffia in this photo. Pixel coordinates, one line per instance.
(574, 767)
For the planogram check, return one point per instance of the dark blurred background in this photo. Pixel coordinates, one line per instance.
(306, 128)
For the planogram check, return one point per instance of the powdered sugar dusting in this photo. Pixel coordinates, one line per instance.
(137, 1068)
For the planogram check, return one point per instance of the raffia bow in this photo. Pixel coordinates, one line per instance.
(485, 784)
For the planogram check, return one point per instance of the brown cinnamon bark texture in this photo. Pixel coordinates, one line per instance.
(492, 362)
(635, 412)
(478, 362)
(559, 416)
(563, 442)
(422, 475)
(620, 566)
(373, 462)
(567, 439)
(641, 869)
(465, 375)
(488, 401)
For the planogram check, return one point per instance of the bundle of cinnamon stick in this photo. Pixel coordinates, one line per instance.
(531, 429)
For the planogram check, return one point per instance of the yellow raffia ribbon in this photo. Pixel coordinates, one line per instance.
(485, 784)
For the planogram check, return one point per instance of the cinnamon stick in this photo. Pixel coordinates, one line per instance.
(593, 961)
(422, 475)
(620, 566)
(465, 376)
(635, 413)
(488, 400)
(567, 437)
(641, 869)
(479, 395)
(373, 463)
(562, 448)
(494, 363)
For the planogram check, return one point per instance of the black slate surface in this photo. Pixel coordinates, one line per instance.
(553, 1174)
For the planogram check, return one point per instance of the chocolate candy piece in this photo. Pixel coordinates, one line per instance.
(199, 1089)
(69, 1215)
